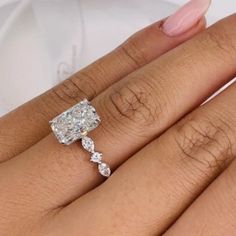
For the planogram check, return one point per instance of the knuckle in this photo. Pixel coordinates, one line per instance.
(221, 38)
(135, 102)
(86, 83)
(134, 52)
(74, 89)
(207, 142)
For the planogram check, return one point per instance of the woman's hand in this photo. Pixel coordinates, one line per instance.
(168, 149)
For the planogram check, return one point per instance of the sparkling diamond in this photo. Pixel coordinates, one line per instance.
(72, 124)
(96, 157)
(88, 144)
(104, 169)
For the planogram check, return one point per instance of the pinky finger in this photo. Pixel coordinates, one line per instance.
(213, 213)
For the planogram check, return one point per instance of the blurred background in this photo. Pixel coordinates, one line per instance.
(42, 42)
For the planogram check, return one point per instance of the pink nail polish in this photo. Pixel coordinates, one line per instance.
(186, 17)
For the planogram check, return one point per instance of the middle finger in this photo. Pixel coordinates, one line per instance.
(133, 111)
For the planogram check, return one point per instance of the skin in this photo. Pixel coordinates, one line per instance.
(172, 159)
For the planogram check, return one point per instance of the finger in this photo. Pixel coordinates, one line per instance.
(150, 191)
(33, 117)
(65, 166)
(213, 213)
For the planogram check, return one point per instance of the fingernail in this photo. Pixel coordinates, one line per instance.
(186, 17)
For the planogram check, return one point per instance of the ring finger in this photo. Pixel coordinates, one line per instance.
(33, 117)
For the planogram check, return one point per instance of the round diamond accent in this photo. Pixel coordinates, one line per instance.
(96, 157)
(104, 169)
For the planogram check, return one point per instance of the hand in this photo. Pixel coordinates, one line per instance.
(172, 158)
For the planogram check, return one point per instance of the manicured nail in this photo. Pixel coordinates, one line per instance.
(186, 17)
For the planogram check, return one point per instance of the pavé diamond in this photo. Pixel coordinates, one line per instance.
(104, 169)
(96, 157)
(88, 144)
(72, 124)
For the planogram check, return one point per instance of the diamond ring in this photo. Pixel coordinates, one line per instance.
(74, 124)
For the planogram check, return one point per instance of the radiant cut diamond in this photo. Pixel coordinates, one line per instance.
(88, 144)
(104, 169)
(76, 122)
(96, 157)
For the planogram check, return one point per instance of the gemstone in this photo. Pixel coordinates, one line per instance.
(96, 157)
(104, 169)
(72, 124)
(88, 144)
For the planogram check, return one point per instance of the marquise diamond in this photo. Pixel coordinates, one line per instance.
(104, 169)
(88, 144)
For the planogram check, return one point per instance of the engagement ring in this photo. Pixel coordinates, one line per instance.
(75, 124)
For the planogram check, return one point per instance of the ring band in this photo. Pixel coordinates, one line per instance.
(75, 124)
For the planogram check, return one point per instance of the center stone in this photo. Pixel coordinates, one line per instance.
(72, 124)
